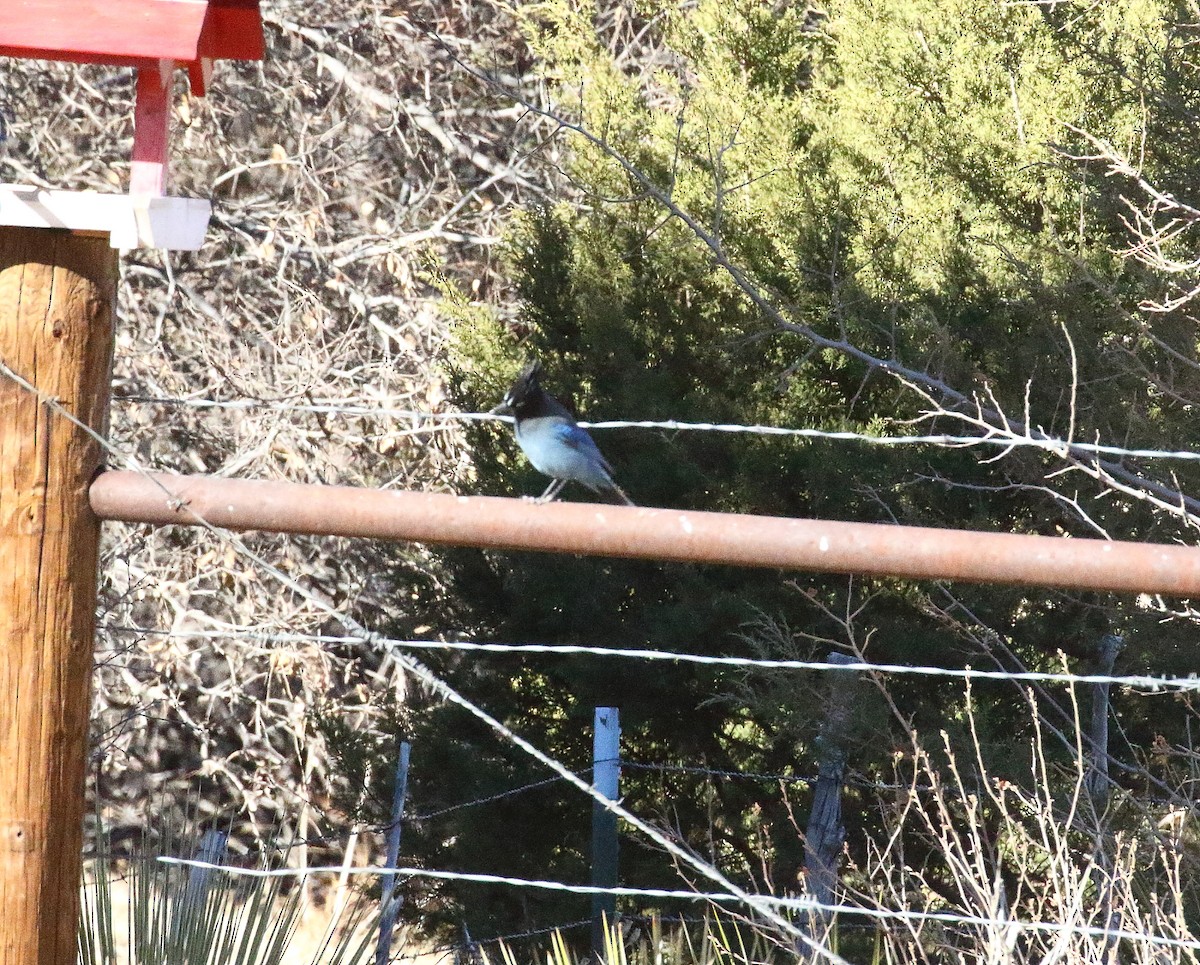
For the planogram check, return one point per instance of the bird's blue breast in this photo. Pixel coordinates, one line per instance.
(561, 450)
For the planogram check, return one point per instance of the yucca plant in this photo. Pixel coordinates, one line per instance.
(180, 915)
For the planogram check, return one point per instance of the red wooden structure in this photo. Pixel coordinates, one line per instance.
(134, 33)
(154, 37)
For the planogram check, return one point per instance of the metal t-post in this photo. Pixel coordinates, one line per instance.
(606, 773)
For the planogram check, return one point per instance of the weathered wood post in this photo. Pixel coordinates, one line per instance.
(56, 327)
(825, 832)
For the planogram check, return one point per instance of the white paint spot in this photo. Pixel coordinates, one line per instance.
(823, 544)
(685, 524)
(229, 508)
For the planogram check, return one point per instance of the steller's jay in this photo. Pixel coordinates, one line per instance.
(556, 446)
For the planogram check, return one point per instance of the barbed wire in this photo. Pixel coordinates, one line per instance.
(382, 827)
(792, 904)
(714, 772)
(1146, 682)
(851, 780)
(944, 440)
(511, 792)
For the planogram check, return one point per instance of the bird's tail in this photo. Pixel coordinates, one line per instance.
(617, 495)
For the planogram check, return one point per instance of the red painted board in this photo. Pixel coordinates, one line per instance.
(130, 32)
(232, 31)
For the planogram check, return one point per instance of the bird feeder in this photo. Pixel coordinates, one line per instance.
(155, 37)
(58, 274)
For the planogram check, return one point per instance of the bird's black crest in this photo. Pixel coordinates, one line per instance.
(527, 383)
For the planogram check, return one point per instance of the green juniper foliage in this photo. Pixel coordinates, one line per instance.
(918, 181)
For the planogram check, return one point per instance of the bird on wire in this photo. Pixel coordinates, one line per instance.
(548, 434)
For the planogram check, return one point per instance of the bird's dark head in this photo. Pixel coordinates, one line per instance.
(526, 391)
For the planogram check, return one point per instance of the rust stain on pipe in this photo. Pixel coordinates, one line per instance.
(662, 534)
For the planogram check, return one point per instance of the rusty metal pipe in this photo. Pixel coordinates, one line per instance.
(590, 529)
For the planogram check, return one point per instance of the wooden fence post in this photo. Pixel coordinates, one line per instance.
(824, 835)
(606, 773)
(56, 331)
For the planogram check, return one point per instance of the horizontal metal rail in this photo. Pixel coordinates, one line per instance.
(590, 529)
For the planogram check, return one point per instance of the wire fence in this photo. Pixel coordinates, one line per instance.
(431, 421)
(1150, 683)
(777, 911)
(785, 903)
